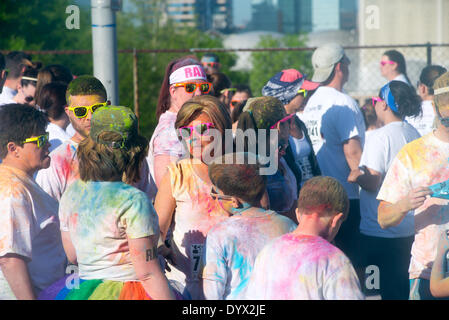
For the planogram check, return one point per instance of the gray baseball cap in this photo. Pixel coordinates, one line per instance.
(324, 59)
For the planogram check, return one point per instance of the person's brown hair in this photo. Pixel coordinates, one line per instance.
(219, 81)
(441, 100)
(52, 73)
(163, 103)
(323, 195)
(238, 180)
(52, 99)
(209, 105)
(98, 162)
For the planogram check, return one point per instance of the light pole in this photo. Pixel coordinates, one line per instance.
(104, 45)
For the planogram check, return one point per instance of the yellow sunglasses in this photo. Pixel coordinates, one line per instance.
(81, 111)
(303, 92)
(41, 140)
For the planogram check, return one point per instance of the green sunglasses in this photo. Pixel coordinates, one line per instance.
(40, 140)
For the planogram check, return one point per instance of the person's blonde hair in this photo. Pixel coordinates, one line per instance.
(441, 100)
(98, 162)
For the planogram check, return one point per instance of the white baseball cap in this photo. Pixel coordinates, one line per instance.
(324, 59)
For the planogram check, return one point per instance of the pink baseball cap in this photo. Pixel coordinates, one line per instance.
(290, 75)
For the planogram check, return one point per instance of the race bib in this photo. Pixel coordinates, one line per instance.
(196, 265)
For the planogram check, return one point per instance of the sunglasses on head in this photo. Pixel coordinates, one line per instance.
(302, 92)
(40, 140)
(216, 196)
(81, 111)
(282, 120)
(201, 129)
(191, 87)
(375, 99)
(382, 63)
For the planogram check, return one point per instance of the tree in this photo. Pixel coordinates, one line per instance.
(267, 63)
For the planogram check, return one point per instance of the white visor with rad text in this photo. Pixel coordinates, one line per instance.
(188, 73)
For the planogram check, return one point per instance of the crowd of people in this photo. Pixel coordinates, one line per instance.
(293, 193)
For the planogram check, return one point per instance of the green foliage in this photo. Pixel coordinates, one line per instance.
(142, 29)
(41, 25)
(267, 63)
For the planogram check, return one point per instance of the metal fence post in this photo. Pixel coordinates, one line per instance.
(429, 53)
(136, 83)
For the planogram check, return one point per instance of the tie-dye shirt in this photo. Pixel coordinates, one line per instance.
(29, 227)
(303, 267)
(232, 247)
(164, 140)
(195, 214)
(421, 163)
(100, 216)
(63, 171)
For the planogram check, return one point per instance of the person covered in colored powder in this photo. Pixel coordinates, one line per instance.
(388, 249)
(303, 264)
(31, 253)
(183, 200)
(184, 78)
(439, 283)
(421, 163)
(267, 123)
(110, 228)
(85, 95)
(232, 245)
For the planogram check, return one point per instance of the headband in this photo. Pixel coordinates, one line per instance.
(187, 73)
(29, 78)
(387, 96)
(440, 90)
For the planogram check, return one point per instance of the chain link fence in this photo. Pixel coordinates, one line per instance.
(364, 81)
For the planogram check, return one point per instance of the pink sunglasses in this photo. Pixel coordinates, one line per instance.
(201, 129)
(282, 120)
(382, 63)
(375, 99)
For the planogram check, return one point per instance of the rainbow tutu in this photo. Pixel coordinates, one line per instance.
(95, 290)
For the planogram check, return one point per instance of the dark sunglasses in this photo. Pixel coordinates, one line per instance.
(29, 99)
(190, 87)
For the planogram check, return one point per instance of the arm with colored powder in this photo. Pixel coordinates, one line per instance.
(165, 205)
(68, 247)
(392, 214)
(15, 271)
(215, 269)
(144, 259)
(439, 283)
(161, 163)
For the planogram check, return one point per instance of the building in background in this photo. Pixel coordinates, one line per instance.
(317, 15)
(264, 16)
(400, 22)
(203, 14)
